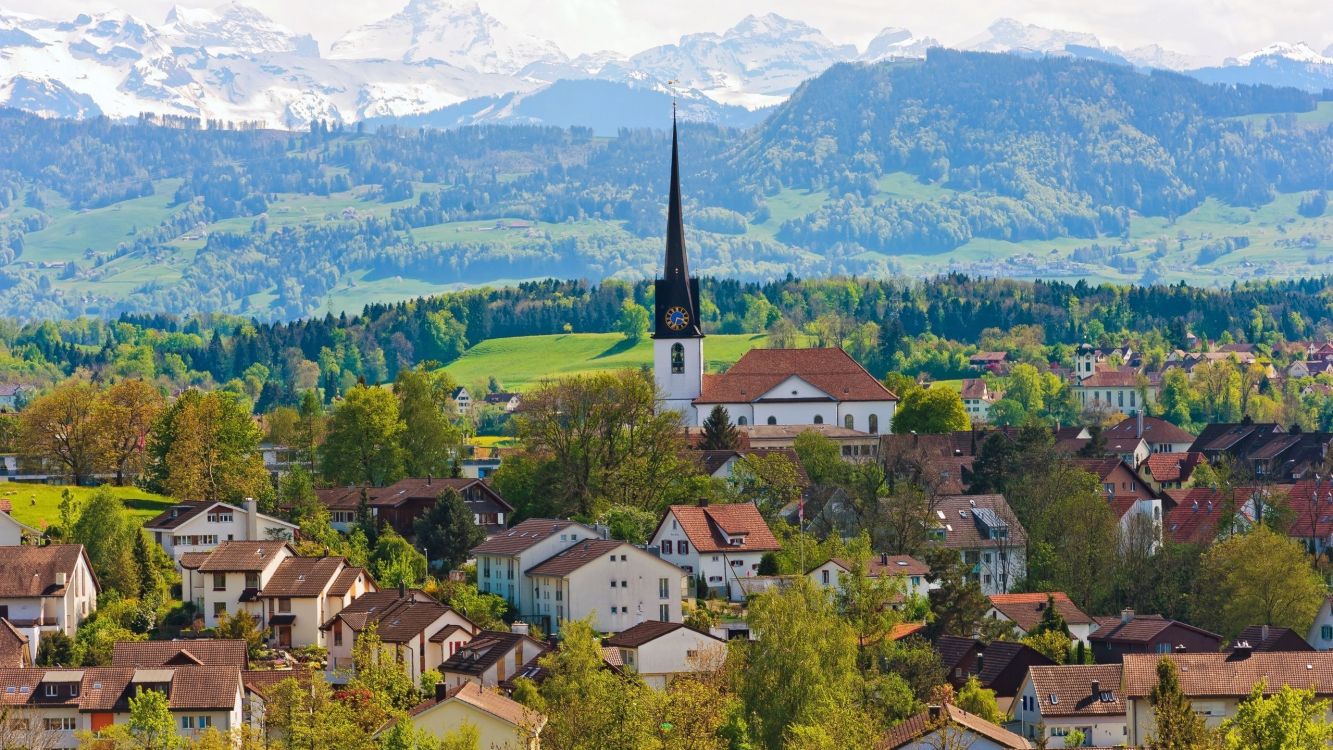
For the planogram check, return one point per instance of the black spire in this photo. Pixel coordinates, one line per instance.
(676, 291)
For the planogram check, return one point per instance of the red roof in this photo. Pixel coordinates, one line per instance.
(1311, 506)
(1155, 430)
(1113, 379)
(1025, 610)
(759, 371)
(1172, 467)
(709, 526)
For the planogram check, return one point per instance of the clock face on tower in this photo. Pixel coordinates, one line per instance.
(676, 318)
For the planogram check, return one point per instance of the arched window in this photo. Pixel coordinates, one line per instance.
(849, 422)
(819, 419)
(772, 420)
(874, 424)
(677, 359)
(742, 421)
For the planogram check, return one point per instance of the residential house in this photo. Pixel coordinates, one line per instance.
(202, 526)
(501, 722)
(1117, 638)
(853, 445)
(509, 402)
(1117, 390)
(47, 589)
(1160, 435)
(490, 657)
(1169, 471)
(914, 574)
(304, 592)
(344, 504)
(1321, 630)
(1075, 697)
(228, 579)
(1000, 666)
(658, 651)
(787, 387)
(404, 501)
(996, 362)
(984, 531)
(1130, 498)
(1310, 502)
(12, 531)
(462, 401)
(949, 726)
(57, 704)
(1265, 451)
(1026, 611)
(718, 545)
(1260, 638)
(17, 649)
(1216, 683)
(201, 652)
(616, 583)
(977, 399)
(415, 627)
(13, 396)
(503, 558)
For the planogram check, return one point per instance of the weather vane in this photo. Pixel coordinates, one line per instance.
(672, 85)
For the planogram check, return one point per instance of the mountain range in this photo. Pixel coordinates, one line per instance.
(447, 63)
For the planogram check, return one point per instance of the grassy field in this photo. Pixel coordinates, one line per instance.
(38, 505)
(522, 361)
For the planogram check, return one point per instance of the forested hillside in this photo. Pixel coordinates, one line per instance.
(984, 164)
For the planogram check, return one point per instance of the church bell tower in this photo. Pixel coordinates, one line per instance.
(678, 339)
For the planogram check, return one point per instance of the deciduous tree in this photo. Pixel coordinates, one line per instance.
(61, 427)
(124, 414)
(931, 410)
(1258, 578)
(362, 445)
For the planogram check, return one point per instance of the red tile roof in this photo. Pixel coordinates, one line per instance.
(304, 576)
(922, 724)
(1110, 379)
(236, 557)
(1141, 629)
(527, 534)
(109, 688)
(1172, 467)
(30, 571)
(759, 371)
(489, 701)
(1026, 610)
(1067, 690)
(1155, 430)
(709, 526)
(1233, 675)
(572, 558)
(208, 652)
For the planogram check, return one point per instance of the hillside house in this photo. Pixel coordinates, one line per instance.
(501, 723)
(1160, 435)
(618, 584)
(228, 579)
(1267, 638)
(659, 651)
(304, 592)
(47, 589)
(503, 559)
(1321, 630)
(490, 657)
(404, 501)
(507, 402)
(1025, 611)
(1169, 471)
(14, 532)
(984, 531)
(977, 399)
(913, 573)
(1073, 697)
(1116, 638)
(1000, 666)
(413, 626)
(717, 545)
(202, 526)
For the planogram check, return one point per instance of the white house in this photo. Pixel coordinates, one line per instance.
(304, 592)
(618, 584)
(1025, 611)
(986, 534)
(47, 589)
(1321, 630)
(913, 572)
(977, 399)
(717, 545)
(501, 722)
(658, 651)
(413, 626)
(200, 527)
(1113, 391)
(503, 558)
(462, 400)
(12, 531)
(229, 578)
(1160, 435)
(1075, 697)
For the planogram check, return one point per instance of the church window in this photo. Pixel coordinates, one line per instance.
(819, 419)
(874, 424)
(742, 421)
(772, 420)
(849, 422)
(677, 359)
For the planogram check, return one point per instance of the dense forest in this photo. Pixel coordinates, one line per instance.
(999, 147)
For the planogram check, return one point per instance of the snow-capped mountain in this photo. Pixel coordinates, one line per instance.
(1281, 64)
(458, 34)
(1296, 52)
(1009, 35)
(894, 43)
(233, 29)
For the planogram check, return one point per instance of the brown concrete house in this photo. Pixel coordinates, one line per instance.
(1148, 634)
(404, 501)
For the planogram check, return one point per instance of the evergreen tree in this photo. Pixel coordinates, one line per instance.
(1176, 725)
(719, 433)
(447, 531)
(1051, 619)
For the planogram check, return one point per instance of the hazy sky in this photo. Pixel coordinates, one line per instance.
(1211, 28)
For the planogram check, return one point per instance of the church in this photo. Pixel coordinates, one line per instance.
(824, 389)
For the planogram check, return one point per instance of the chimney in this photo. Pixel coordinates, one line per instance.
(934, 713)
(429, 479)
(1242, 649)
(1140, 423)
(1126, 615)
(1263, 634)
(519, 628)
(402, 589)
(703, 502)
(251, 520)
(1096, 689)
(441, 690)
(884, 559)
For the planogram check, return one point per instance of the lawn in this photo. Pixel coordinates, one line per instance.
(71, 232)
(522, 361)
(38, 505)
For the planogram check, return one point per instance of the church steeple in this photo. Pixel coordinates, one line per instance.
(677, 293)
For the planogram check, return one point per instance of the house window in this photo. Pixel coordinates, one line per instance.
(742, 421)
(826, 579)
(486, 563)
(50, 691)
(1326, 632)
(819, 419)
(224, 517)
(664, 613)
(219, 581)
(874, 424)
(63, 724)
(663, 588)
(187, 722)
(682, 548)
(677, 359)
(337, 632)
(252, 580)
(219, 609)
(772, 420)
(849, 422)
(205, 722)
(284, 604)
(666, 546)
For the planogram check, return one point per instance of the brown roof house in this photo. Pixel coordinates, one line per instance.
(986, 534)
(1064, 698)
(948, 726)
(1269, 638)
(413, 626)
(202, 526)
(999, 666)
(659, 651)
(304, 592)
(573, 584)
(402, 502)
(501, 722)
(504, 557)
(1115, 638)
(229, 578)
(914, 574)
(66, 701)
(1026, 611)
(491, 657)
(1169, 471)
(717, 545)
(1217, 683)
(203, 652)
(45, 589)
